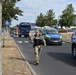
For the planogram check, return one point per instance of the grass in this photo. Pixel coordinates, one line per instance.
(12, 61)
(66, 36)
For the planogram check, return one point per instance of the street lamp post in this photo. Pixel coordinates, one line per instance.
(0, 18)
(35, 16)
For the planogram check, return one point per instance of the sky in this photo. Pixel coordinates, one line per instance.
(32, 8)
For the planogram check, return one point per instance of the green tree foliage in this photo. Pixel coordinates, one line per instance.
(67, 17)
(47, 19)
(50, 17)
(10, 11)
(40, 20)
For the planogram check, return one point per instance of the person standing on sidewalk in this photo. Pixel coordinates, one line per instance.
(37, 42)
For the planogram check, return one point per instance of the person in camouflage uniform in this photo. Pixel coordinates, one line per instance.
(37, 42)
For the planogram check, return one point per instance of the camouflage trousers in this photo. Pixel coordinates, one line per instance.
(38, 50)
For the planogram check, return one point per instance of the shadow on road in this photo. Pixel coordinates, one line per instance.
(64, 57)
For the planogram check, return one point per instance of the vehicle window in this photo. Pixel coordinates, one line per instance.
(51, 32)
(75, 33)
(73, 29)
(22, 26)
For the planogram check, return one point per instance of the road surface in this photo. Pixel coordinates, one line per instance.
(54, 60)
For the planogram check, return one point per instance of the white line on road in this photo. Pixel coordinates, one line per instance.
(26, 41)
(32, 70)
(19, 41)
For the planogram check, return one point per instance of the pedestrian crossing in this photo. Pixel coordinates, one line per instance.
(26, 40)
(20, 42)
(23, 42)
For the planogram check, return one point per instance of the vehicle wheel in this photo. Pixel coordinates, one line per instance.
(25, 35)
(60, 44)
(19, 35)
(74, 51)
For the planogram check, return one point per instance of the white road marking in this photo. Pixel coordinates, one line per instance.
(26, 41)
(63, 42)
(19, 41)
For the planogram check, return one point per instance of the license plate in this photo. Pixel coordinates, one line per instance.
(55, 41)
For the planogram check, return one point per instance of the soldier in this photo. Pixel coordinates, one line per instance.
(37, 42)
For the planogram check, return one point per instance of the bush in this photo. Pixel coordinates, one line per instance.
(62, 31)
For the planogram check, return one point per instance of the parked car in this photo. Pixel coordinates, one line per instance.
(52, 36)
(32, 31)
(73, 29)
(73, 44)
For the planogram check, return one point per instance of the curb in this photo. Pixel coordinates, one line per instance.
(33, 72)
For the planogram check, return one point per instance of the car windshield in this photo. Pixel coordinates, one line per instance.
(51, 31)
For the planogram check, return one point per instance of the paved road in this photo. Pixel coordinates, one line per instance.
(55, 60)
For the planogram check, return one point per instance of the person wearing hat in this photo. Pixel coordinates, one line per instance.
(37, 42)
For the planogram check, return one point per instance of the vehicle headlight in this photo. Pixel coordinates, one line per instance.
(60, 37)
(47, 36)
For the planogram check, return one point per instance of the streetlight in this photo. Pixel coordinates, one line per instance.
(35, 16)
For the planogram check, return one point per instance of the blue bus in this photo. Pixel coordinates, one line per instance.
(24, 28)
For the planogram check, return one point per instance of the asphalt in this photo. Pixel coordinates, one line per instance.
(54, 60)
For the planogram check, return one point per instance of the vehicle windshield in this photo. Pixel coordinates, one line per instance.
(24, 27)
(51, 31)
(73, 29)
(33, 29)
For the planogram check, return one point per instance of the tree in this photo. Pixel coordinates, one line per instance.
(10, 11)
(50, 17)
(40, 20)
(67, 17)
(47, 19)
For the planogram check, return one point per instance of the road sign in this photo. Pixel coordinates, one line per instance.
(7, 22)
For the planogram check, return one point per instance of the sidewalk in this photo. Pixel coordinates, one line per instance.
(12, 61)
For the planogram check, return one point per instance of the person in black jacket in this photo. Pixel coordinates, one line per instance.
(37, 42)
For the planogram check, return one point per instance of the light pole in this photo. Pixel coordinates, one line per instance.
(35, 16)
(0, 18)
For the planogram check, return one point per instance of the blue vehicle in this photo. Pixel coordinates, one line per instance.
(52, 36)
(24, 28)
(73, 44)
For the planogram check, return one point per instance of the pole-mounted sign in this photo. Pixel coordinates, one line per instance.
(7, 22)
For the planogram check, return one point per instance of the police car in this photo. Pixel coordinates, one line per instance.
(52, 36)
(73, 44)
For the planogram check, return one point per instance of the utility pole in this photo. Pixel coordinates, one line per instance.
(0, 37)
(35, 16)
(0, 17)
